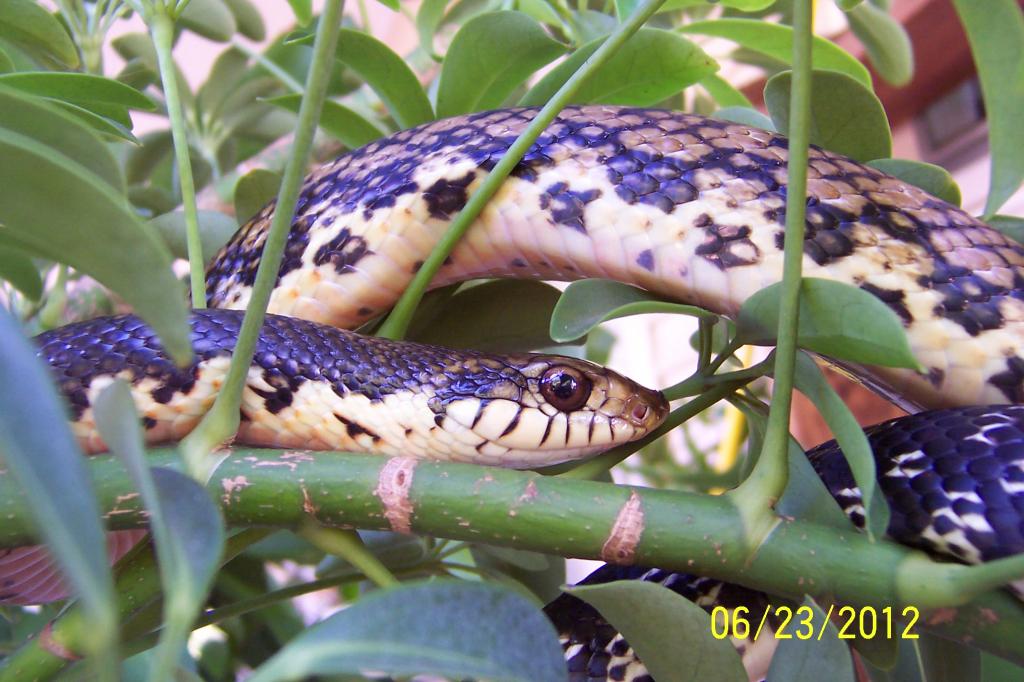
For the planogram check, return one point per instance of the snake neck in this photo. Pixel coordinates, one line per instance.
(686, 207)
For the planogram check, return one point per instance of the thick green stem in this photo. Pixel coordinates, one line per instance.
(221, 422)
(397, 323)
(769, 477)
(161, 27)
(701, 534)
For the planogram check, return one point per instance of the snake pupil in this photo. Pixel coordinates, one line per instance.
(565, 388)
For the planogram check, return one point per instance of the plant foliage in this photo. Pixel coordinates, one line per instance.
(93, 214)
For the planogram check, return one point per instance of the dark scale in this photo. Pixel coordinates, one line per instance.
(289, 351)
(950, 459)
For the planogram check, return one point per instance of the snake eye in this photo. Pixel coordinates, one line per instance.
(565, 388)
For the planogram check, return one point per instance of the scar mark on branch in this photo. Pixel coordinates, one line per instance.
(393, 485)
(620, 547)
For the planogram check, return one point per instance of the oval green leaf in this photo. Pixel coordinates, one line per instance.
(19, 270)
(995, 30)
(83, 229)
(886, 41)
(337, 120)
(55, 128)
(933, 179)
(209, 18)
(449, 628)
(850, 436)
(248, 19)
(388, 75)
(215, 229)
(846, 117)
(101, 124)
(303, 11)
(837, 320)
(78, 88)
(654, 620)
(491, 317)
(776, 41)
(812, 657)
(491, 56)
(29, 26)
(651, 66)
(1011, 226)
(428, 20)
(745, 115)
(589, 302)
(724, 94)
(36, 444)
(254, 190)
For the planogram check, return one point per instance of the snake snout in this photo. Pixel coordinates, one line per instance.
(646, 409)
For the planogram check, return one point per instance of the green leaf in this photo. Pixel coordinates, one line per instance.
(886, 41)
(303, 11)
(337, 120)
(589, 302)
(847, 5)
(746, 116)
(37, 446)
(428, 20)
(805, 497)
(59, 130)
(995, 30)
(448, 628)
(254, 190)
(836, 319)
(209, 18)
(851, 438)
(946, 661)
(1011, 226)
(215, 229)
(388, 75)
(846, 117)
(813, 658)
(776, 41)
(142, 161)
(933, 179)
(137, 46)
(650, 67)
(225, 77)
(724, 94)
(100, 124)
(248, 19)
(185, 523)
(654, 620)
(29, 26)
(491, 56)
(491, 317)
(81, 230)
(6, 65)
(624, 7)
(21, 272)
(540, 10)
(78, 88)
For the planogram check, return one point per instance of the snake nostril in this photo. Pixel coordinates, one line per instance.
(640, 412)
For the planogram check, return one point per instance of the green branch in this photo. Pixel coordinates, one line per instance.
(768, 479)
(221, 422)
(695, 533)
(161, 27)
(396, 324)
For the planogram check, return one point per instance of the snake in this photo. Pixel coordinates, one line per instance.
(687, 207)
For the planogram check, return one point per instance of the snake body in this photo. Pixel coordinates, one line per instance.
(689, 207)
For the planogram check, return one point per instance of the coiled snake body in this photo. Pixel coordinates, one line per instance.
(685, 206)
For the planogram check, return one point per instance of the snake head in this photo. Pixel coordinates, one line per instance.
(553, 409)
